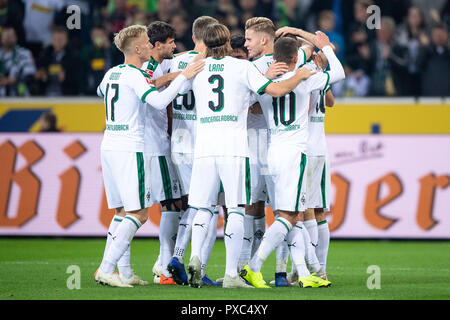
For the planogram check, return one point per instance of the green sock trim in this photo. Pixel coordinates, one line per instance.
(134, 221)
(212, 213)
(240, 213)
(321, 222)
(284, 224)
(259, 217)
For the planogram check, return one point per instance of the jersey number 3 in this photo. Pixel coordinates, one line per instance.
(220, 100)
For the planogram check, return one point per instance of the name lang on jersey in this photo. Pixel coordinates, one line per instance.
(216, 67)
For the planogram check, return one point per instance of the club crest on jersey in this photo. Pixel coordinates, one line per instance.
(149, 72)
(175, 186)
(303, 199)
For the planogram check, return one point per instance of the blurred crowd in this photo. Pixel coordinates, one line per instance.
(408, 55)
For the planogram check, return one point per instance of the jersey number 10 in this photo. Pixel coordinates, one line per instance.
(279, 109)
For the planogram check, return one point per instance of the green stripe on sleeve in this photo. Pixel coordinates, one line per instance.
(328, 79)
(304, 55)
(147, 92)
(261, 90)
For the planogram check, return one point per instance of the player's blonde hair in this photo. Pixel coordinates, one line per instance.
(261, 24)
(217, 41)
(124, 38)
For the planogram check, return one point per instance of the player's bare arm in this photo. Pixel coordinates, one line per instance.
(276, 69)
(165, 79)
(284, 87)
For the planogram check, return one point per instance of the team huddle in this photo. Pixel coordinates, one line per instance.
(217, 102)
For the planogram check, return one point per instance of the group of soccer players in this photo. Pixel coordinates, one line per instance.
(222, 109)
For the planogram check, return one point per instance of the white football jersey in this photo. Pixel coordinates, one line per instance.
(184, 113)
(317, 145)
(124, 88)
(222, 95)
(263, 63)
(287, 116)
(157, 140)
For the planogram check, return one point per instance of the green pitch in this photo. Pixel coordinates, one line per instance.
(37, 269)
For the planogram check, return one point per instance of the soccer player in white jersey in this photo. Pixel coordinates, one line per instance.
(260, 35)
(318, 172)
(182, 148)
(288, 123)
(126, 89)
(165, 185)
(222, 94)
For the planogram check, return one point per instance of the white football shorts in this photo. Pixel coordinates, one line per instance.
(163, 179)
(125, 176)
(287, 165)
(319, 183)
(183, 166)
(207, 172)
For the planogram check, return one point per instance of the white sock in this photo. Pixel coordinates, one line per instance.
(210, 240)
(233, 236)
(311, 226)
(124, 264)
(310, 253)
(247, 242)
(276, 233)
(281, 256)
(259, 227)
(120, 242)
(323, 243)
(297, 249)
(167, 235)
(199, 230)
(184, 233)
(112, 228)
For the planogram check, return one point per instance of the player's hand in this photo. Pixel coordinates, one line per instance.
(305, 73)
(193, 68)
(285, 31)
(321, 40)
(276, 69)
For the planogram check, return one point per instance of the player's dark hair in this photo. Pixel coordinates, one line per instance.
(217, 41)
(237, 42)
(199, 26)
(285, 49)
(160, 31)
